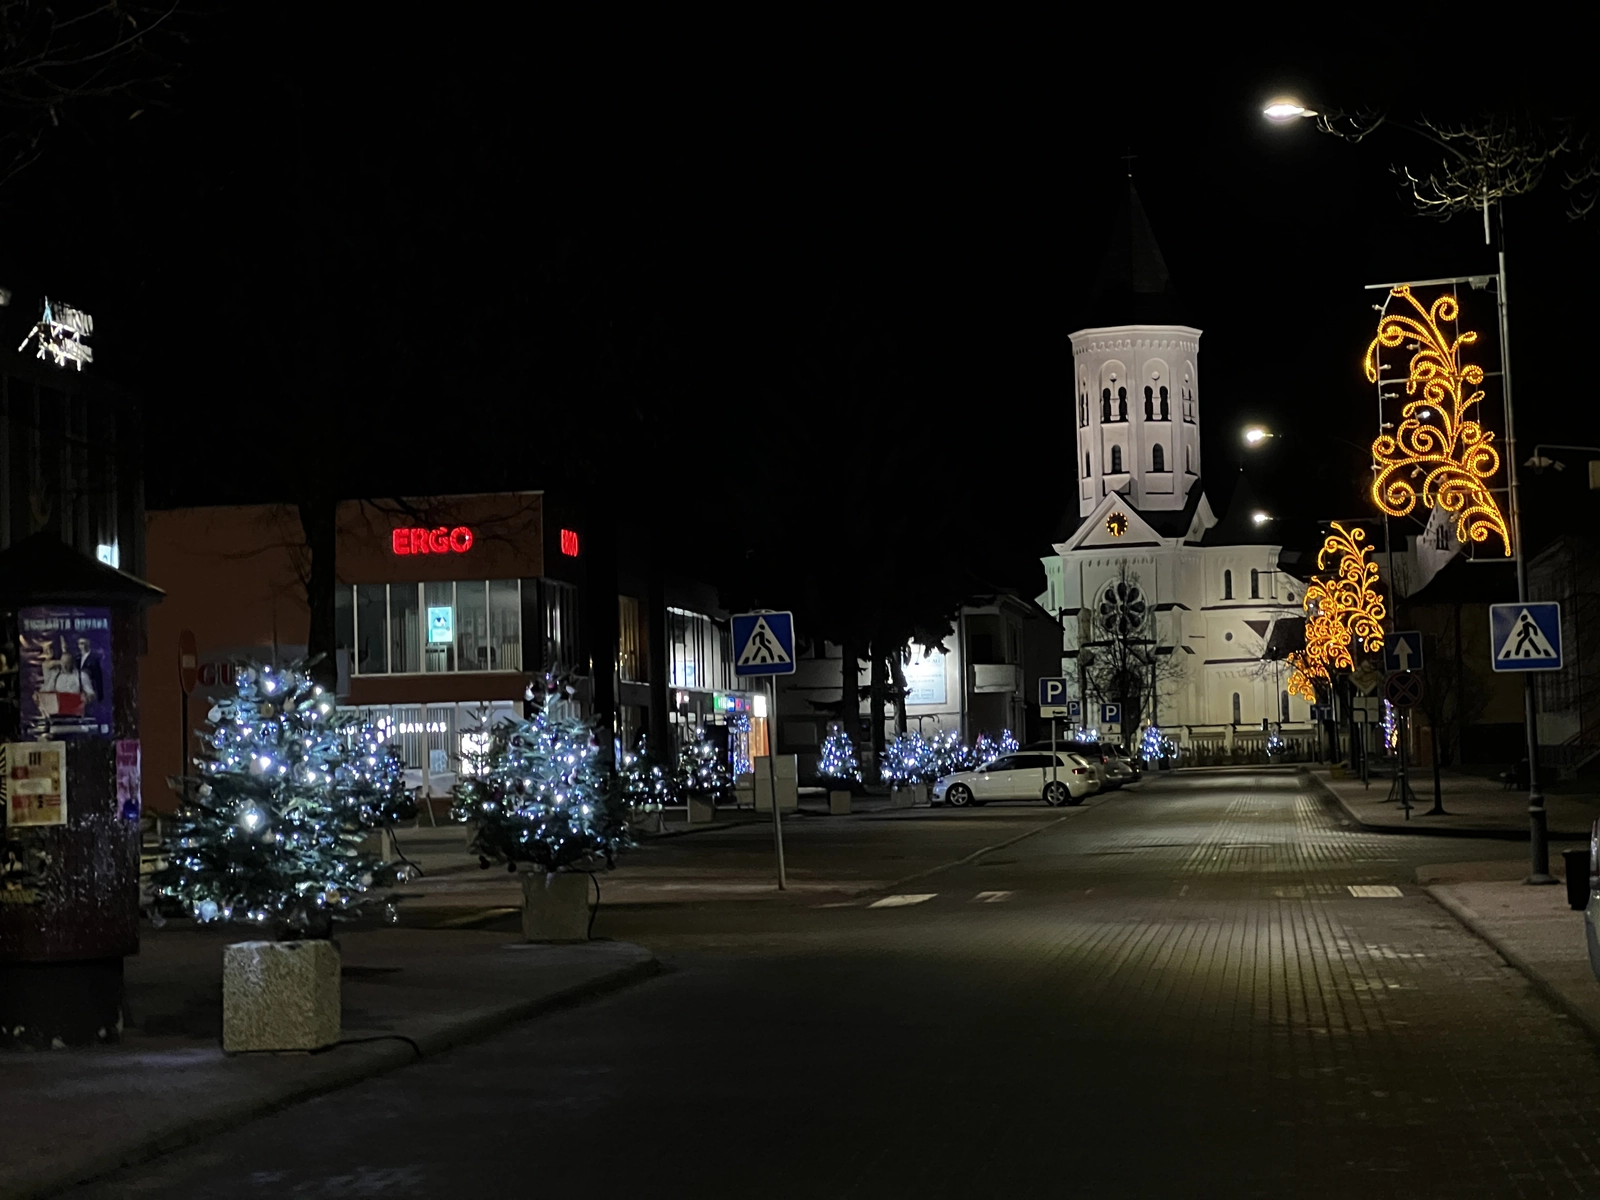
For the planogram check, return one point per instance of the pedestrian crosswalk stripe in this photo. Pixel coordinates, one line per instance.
(1526, 640)
(992, 897)
(902, 901)
(1374, 891)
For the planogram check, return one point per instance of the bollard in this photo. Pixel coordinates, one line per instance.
(1577, 863)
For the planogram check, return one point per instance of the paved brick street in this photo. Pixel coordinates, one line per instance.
(1210, 986)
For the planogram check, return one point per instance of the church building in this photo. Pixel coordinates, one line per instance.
(1175, 617)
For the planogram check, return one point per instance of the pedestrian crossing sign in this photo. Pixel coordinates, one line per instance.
(1525, 637)
(763, 643)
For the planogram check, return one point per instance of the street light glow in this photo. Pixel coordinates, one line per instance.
(1286, 109)
(1255, 435)
(1259, 517)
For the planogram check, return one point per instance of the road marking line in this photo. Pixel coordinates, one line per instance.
(1374, 891)
(482, 915)
(903, 900)
(1184, 890)
(992, 897)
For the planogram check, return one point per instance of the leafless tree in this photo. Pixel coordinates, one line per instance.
(1120, 656)
(57, 56)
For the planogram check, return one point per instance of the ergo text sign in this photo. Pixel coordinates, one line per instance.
(442, 540)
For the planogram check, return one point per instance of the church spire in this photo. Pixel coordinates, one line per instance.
(1134, 286)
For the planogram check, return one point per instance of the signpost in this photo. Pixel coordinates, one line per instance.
(1403, 689)
(763, 644)
(188, 676)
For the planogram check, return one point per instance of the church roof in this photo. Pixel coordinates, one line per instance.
(1134, 286)
(1238, 528)
(1165, 522)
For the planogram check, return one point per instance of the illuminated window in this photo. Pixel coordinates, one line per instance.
(1255, 584)
(1227, 585)
(698, 653)
(1158, 458)
(473, 625)
(633, 640)
(1238, 709)
(1116, 460)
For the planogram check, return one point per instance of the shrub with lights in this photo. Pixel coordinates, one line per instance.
(951, 754)
(539, 795)
(644, 781)
(271, 829)
(839, 762)
(987, 749)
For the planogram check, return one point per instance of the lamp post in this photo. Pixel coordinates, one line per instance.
(1505, 165)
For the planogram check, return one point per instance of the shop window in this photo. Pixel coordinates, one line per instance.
(633, 658)
(560, 624)
(371, 648)
(439, 626)
(505, 625)
(698, 654)
(405, 630)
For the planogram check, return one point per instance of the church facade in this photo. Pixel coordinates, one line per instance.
(1175, 615)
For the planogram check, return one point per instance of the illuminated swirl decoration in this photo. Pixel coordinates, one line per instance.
(1341, 609)
(1436, 440)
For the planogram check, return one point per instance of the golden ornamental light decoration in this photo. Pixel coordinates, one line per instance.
(1340, 609)
(1437, 439)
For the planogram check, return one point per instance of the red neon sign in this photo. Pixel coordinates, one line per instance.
(569, 543)
(442, 540)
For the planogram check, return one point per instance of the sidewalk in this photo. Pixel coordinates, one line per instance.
(69, 1116)
(1477, 807)
(1532, 929)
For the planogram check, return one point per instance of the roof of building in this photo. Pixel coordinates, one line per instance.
(41, 569)
(1134, 286)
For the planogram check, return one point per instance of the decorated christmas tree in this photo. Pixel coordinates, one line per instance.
(839, 757)
(645, 783)
(908, 759)
(539, 794)
(951, 754)
(271, 830)
(987, 749)
(702, 773)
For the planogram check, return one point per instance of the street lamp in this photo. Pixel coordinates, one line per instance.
(1260, 518)
(1485, 165)
(1255, 435)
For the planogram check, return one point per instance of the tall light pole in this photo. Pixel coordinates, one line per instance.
(1486, 164)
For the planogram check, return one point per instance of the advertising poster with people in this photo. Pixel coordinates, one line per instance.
(65, 671)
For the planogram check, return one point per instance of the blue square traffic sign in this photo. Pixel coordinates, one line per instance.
(1052, 692)
(1111, 714)
(1525, 637)
(1402, 651)
(763, 643)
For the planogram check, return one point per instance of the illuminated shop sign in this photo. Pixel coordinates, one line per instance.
(727, 702)
(569, 543)
(442, 540)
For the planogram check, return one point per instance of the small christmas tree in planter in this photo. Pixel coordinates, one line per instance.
(702, 778)
(646, 787)
(907, 766)
(840, 768)
(539, 798)
(271, 833)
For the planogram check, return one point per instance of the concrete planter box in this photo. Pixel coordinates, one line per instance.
(839, 804)
(702, 812)
(555, 907)
(280, 996)
(902, 797)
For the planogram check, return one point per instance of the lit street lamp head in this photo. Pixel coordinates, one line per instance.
(1255, 435)
(1259, 517)
(1286, 109)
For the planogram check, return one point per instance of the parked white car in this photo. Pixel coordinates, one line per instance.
(1024, 776)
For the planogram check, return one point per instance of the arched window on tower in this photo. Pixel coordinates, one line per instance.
(1238, 710)
(1255, 584)
(1188, 459)
(1166, 414)
(1158, 458)
(1149, 403)
(1086, 471)
(1227, 585)
(1105, 404)
(1122, 404)
(1116, 460)
(1083, 409)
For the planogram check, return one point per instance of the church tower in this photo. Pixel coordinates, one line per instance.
(1136, 382)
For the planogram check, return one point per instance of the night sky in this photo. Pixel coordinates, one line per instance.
(825, 292)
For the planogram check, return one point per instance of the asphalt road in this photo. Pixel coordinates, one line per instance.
(1176, 993)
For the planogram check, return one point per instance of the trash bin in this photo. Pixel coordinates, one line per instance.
(1577, 862)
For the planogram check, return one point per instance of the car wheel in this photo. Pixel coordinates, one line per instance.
(1057, 794)
(959, 795)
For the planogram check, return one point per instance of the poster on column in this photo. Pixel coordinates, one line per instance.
(65, 661)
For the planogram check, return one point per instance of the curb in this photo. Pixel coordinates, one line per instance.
(1551, 994)
(1455, 831)
(367, 1060)
(888, 888)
